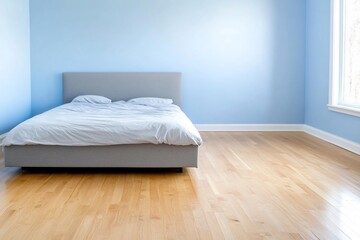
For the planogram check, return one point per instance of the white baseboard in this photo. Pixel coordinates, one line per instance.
(249, 127)
(331, 138)
(328, 137)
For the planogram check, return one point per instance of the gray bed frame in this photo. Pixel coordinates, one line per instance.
(116, 86)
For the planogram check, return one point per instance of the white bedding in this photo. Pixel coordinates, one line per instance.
(86, 124)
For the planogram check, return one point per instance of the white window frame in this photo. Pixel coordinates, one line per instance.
(337, 59)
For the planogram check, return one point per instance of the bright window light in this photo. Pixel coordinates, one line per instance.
(345, 57)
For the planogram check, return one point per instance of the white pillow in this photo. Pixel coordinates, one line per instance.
(91, 99)
(151, 100)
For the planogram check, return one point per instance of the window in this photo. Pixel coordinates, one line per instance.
(345, 57)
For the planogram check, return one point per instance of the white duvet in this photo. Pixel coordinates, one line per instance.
(86, 124)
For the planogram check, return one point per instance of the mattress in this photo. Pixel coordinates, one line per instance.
(89, 124)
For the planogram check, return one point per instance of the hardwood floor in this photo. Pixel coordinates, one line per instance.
(249, 185)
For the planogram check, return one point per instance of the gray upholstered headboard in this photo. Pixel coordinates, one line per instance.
(122, 85)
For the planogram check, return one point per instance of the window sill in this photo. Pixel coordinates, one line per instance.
(344, 109)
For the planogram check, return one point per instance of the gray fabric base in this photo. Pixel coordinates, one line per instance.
(127, 156)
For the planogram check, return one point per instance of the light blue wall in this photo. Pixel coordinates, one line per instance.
(242, 61)
(317, 75)
(15, 90)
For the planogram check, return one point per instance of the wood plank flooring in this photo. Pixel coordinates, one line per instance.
(249, 185)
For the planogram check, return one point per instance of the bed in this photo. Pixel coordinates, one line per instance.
(116, 86)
